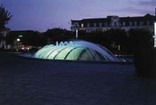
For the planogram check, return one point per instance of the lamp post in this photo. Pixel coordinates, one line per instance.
(76, 34)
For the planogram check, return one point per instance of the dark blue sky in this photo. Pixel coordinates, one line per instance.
(41, 15)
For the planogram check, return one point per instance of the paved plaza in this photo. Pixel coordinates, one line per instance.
(38, 82)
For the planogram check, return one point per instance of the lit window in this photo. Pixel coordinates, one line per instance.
(82, 25)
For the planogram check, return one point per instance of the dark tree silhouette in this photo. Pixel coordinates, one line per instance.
(58, 34)
(140, 39)
(5, 16)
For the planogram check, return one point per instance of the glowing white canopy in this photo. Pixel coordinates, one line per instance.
(75, 50)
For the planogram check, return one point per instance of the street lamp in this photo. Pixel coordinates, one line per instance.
(18, 43)
(77, 34)
(18, 40)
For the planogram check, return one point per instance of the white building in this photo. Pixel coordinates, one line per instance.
(110, 22)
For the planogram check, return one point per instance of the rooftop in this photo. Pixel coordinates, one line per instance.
(146, 17)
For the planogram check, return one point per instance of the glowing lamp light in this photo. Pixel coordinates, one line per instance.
(18, 39)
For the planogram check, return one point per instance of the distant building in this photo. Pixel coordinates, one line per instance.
(20, 38)
(14, 40)
(3, 34)
(115, 22)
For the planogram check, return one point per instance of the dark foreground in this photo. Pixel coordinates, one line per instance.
(36, 82)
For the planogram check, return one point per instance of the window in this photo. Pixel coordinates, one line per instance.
(123, 23)
(141, 23)
(75, 24)
(105, 24)
(94, 24)
(135, 23)
(100, 24)
(130, 23)
(88, 25)
(115, 24)
(148, 23)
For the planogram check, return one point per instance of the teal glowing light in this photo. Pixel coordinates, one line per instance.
(75, 50)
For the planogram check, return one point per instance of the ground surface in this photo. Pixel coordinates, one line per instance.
(37, 82)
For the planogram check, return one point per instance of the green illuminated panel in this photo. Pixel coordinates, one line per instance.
(62, 54)
(54, 53)
(48, 52)
(39, 53)
(74, 54)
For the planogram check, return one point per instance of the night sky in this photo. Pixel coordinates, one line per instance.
(40, 15)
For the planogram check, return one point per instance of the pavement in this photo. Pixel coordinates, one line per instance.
(41, 82)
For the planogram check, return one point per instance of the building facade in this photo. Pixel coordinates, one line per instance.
(115, 22)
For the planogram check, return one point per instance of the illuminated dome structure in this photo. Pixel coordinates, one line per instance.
(75, 50)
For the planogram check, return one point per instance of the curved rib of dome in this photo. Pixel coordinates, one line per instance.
(75, 50)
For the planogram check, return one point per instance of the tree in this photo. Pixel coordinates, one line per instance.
(5, 16)
(140, 39)
(58, 34)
